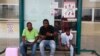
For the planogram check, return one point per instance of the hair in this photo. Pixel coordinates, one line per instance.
(46, 20)
(29, 23)
(66, 28)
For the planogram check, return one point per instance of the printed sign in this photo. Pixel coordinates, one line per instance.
(69, 10)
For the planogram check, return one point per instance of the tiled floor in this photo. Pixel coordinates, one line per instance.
(88, 42)
(86, 54)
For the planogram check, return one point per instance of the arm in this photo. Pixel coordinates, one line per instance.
(36, 36)
(60, 42)
(23, 36)
(41, 33)
(52, 32)
(71, 39)
(36, 39)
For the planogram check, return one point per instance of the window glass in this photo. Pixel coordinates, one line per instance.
(9, 11)
(87, 15)
(97, 15)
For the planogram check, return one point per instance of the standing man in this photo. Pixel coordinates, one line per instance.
(29, 37)
(47, 34)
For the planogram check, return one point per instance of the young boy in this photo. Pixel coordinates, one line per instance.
(66, 40)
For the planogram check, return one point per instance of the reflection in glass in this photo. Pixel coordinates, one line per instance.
(73, 25)
(9, 11)
(57, 14)
(87, 15)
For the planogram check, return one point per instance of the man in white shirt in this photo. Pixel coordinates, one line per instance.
(66, 40)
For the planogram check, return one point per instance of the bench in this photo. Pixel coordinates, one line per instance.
(47, 48)
(57, 46)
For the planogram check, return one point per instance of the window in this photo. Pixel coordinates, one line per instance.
(9, 11)
(97, 15)
(92, 14)
(60, 3)
(87, 15)
(73, 25)
(58, 14)
(0, 11)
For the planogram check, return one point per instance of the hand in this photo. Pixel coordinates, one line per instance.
(42, 36)
(48, 34)
(32, 43)
(55, 33)
(68, 46)
(60, 47)
(23, 39)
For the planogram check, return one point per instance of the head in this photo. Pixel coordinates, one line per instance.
(67, 30)
(64, 21)
(45, 23)
(29, 25)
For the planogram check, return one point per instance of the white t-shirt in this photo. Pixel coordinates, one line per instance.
(65, 39)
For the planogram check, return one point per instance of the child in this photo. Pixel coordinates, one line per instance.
(66, 40)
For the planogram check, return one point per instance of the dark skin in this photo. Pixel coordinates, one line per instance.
(67, 33)
(29, 26)
(46, 24)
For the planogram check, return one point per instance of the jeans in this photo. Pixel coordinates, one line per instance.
(23, 47)
(71, 50)
(50, 43)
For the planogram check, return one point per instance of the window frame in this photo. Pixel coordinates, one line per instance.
(93, 15)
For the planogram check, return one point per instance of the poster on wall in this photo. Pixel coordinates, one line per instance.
(69, 9)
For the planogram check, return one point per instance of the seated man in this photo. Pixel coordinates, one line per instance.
(29, 37)
(66, 40)
(47, 34)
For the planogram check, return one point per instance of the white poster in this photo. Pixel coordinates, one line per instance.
(69, 10)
